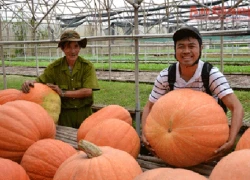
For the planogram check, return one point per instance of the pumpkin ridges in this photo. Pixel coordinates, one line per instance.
(30, 124)
(46, 97)
(42, 159)
(244, 141)
(8, 95)
(110, 111)
(234, 166)
(113, 164)
(10, 170)
(124, 136)
(169, 173)
(180, 113)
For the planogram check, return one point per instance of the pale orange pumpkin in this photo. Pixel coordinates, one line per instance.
(234, 166)
(110, 111)
(244, 141)
(169, 173)
(98, 163)
(46, 97)
(23, 123)
(185, 127)
(43, 158)
(8, 95)
(117, 134)
(10, 170)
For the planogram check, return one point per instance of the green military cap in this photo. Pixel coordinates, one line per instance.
(71, 35)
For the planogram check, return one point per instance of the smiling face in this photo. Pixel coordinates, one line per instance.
(71, 51)
(187, 51)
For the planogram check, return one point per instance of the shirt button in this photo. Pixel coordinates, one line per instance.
(71, 79)
(75, 106)
(73, 88)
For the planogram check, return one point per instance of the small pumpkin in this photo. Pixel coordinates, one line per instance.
(46, 97)
(8, 95)
(117, 134)
(110, 111)
(23, 123)
(185, 127)
(10, 170)
(234, 166)
(43, 158)
(244, 141)
(100, 163)
(169, 173)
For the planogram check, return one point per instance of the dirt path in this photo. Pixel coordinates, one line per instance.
(236, 81)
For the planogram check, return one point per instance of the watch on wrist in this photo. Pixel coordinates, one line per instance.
(63, 93)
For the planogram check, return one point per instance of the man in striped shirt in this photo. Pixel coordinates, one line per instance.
(188, 47)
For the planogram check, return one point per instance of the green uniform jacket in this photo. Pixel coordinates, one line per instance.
(73, 110)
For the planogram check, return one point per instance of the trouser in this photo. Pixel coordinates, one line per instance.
(74, 117)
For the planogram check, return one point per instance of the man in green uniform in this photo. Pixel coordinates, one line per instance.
(73, 78)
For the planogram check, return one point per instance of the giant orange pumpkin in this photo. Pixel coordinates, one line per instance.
(98, 163)
(43, 158)
(110, 111)
(244, 141)
(185, 127)
(234, 166)
(117, 134)
(169, 173)
(22, 123)
(10, 170)
(8, 95)
(46, 97)
(40, 94)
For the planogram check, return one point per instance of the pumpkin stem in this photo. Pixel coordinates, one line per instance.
(89, 148)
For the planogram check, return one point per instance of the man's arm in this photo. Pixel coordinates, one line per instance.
(79, 93)
(237, 111)
(145, 113)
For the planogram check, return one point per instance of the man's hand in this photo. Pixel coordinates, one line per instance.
(221, 151)
(55, 88)
(147, 145)
(27, 84)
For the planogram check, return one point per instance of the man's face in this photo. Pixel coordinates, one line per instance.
(187, 51)
(71, 51)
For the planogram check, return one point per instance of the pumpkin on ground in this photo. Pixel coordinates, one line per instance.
(244, 141)
(117, 134)
(234, 166)
(98, 163)
(43, 158)
(170, 173)
(46, 97)
(185, 127)
(8, 95)
(10, 170)
(23, 123)
(110, 111)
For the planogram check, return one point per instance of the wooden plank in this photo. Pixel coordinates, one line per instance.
(69, 135)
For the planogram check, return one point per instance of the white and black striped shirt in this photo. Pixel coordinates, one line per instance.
(218, 84)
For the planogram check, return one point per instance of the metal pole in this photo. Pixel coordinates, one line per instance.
(137, 96)
(109, 42)
(2, 56)
(222, 38)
